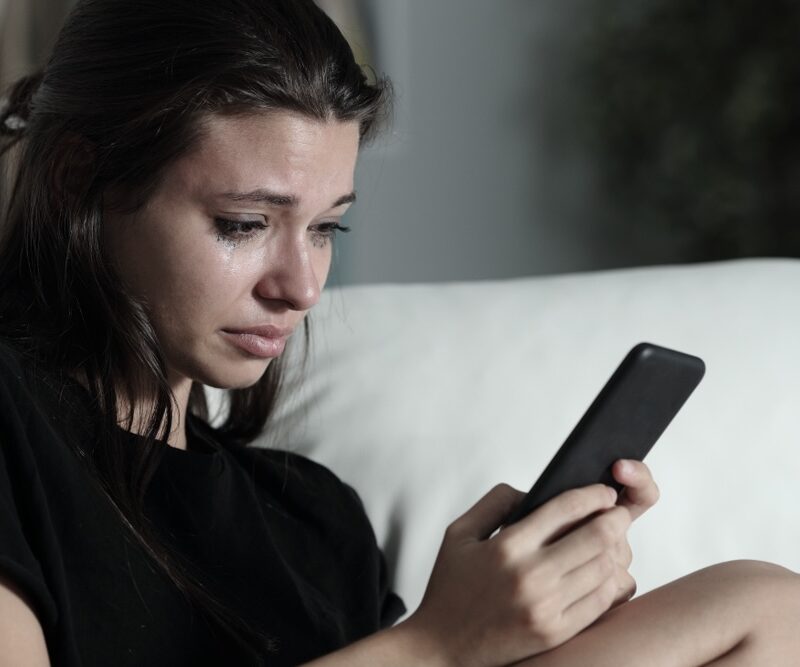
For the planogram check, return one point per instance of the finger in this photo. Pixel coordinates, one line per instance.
(641, 491)
(486, 515)
(582, 613)
(551, 520)
(626, 587)
(623, 554)
(581, 581)
(602, 534)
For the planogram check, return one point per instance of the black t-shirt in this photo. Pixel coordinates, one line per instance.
(279, 538)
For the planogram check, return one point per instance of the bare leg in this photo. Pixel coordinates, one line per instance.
(730, 615)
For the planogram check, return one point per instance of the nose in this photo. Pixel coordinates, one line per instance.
(290, 276)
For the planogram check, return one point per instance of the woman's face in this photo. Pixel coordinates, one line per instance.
(237, 235)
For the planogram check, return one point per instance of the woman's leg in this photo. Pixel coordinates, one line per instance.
(738, 613)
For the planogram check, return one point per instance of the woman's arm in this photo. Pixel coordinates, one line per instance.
(21, 638)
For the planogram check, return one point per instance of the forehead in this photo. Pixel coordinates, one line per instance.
(282, 151)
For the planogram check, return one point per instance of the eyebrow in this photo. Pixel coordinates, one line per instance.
(263, 196)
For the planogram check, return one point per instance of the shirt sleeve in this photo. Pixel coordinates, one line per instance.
(21, 506)
(391, 606)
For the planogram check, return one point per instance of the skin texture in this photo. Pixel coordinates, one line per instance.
(21, 636)
(196, 281)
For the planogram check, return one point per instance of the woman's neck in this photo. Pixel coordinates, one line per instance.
(139, 423)
(177, 436)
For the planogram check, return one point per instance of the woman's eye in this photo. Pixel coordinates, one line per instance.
(325, 232)
(237, 229)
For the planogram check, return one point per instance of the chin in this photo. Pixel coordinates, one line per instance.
(227, 375)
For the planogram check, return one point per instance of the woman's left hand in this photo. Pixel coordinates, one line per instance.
(638, 496)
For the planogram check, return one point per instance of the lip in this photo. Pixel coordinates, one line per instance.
(263, 342)
(263, 330)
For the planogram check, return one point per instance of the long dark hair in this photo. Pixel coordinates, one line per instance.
(122, 97)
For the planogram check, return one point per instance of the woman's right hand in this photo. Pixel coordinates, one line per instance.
(530, 587)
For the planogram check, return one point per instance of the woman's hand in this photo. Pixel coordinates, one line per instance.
(530, 587)
(638, 496)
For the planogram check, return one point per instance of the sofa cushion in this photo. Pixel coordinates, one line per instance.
(423, 396)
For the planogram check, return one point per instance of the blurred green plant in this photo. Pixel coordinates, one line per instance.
(692, 112)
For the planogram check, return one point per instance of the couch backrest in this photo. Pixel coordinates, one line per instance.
(424, 396)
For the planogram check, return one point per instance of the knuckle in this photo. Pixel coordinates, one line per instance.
(607, 593)
(606, 564)
(628, 558)
(520, 587)
(632, 587)
(452, 530)
(541, 621)
(502, 489)
(626, 587)
(624, 554)
(507, 494)
(605, 532)
(529, 583)
(502, 552)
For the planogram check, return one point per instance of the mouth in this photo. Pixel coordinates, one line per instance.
(266, 345)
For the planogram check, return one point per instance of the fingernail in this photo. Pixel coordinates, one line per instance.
(626, 467)
(612, 494)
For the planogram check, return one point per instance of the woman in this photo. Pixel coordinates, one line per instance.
(182, 169)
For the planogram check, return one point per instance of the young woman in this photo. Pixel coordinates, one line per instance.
(181, 170)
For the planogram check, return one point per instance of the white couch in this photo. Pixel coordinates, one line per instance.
(424, 396)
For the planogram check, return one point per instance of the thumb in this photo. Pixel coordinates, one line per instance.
(487, 515)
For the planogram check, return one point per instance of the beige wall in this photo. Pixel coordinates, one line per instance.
(27, 31)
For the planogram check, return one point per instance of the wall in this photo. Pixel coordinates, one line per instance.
(466, 185)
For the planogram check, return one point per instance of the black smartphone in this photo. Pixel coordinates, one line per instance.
(629, 414)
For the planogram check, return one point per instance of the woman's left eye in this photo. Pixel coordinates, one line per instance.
(325, 232)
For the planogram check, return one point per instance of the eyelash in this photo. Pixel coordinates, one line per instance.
(326, 232)
(239, 230)
(233, 229)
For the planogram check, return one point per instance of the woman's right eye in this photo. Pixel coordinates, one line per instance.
(237, 229)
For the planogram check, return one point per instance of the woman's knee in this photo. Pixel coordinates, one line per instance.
(767, 590)
(755, 570)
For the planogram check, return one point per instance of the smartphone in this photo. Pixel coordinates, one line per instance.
(629, 414)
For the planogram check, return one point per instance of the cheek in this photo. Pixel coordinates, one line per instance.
(199, 284)
(187, 283)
